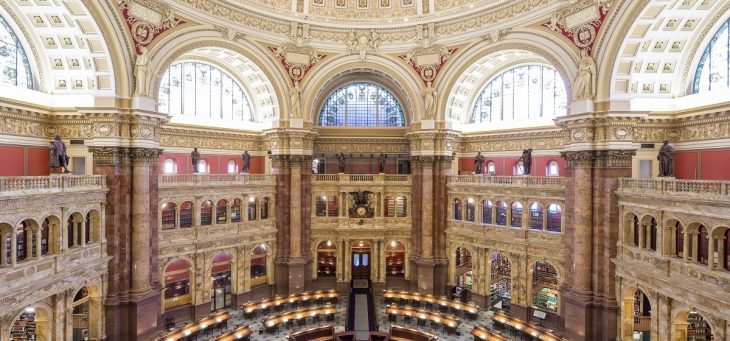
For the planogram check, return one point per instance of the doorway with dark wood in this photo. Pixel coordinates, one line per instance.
(361, 260)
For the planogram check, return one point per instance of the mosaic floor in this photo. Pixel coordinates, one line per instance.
(255, 324)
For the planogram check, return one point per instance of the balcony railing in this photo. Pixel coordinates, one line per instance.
(52, 184)
(675, 187)
(198, 179)
(520, 181)
(370, 178)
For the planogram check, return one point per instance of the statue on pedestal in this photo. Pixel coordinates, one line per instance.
(341, 162)
(666, 159)
(140, 72)
(526, 159)
(585, 82)
(246, 157)
(295, 94)
(429, 101)
(381, 163)
(59, 158)
(479, 163)
(195, 156)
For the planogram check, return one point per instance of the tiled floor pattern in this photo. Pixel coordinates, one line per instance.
(340, 319)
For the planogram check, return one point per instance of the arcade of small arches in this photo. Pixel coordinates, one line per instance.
(29, 240)
(188, 214)
(505, 213)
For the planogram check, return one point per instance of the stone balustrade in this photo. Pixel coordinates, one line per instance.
(18, 185)
(373, 179)
(184, 180)
(510, 181)
(675, 187)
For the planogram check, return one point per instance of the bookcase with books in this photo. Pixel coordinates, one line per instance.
(698, 329)
(24, 328)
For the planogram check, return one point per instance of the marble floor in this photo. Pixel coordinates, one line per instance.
(464, 329)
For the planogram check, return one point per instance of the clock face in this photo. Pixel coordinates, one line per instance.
(361, 211)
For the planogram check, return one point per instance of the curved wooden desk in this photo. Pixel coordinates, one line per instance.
(444, 303)
(240, 333)
(271, 323)
(450, 323)
(483, 333)
(216, 320)
(500, 318)
(331, 296)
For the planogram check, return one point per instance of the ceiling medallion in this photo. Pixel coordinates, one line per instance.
(147, 19)
(580, 22)
(428, 61)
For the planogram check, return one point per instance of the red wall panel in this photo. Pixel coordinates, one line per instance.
(38, 161)
(685, 165)
(504, 165)
(217, 164)
(13, 161)
(715, 164)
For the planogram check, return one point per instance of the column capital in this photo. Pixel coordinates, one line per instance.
(110, 156)
(598, 158)
(145, 156)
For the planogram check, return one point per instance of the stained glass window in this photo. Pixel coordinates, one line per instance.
(521, 93)
(14, 66)
(362, 104)
(713, 70)
(199, 90)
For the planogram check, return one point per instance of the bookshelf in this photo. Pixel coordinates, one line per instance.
(24, 327)
(544, 275)
(698, 329)
(500, 266)
(546, 299)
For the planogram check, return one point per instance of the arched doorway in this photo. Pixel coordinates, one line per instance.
(698, 328)
(464, 274)
(258, 266)
(500, 288)
(80, 315)
(360, 260)
(177, 283)
(31, 324)
(642, 317)
(395, 259)
(545, 286)
(220, 293)
(326, 259)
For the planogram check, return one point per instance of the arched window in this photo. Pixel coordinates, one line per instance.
(521, 93)
(501, 213)
(206, 213)
(320, 206)
(457, 209)
(679, 240)
(236, 211)
(516, 214)
(177, 283)
(89, 226)
(652, 234)
(635, 230)
(713, 70)
(201, 91)
(170, 166)
(186, 214)
(702, 244)
(487, 212)
(536, 216)
(232, 167)
(491, 168)
(23, 241)
(395, 259)
(470, 210)
(258, 264)
(14, 66)
(220, 211)
(252, 205)
(168, 215)
(362, 104)
(203, 166)
(326, 259)
(265, 208)
(553, 218)
(552, 168)
(45, 230)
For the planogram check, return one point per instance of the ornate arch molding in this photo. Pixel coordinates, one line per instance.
(691, 56)
(166, 51)
(392, 75)
(38, 64)
(557, 54)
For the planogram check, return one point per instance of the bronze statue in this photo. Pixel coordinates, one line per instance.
(526, 159)
(195, 155)
(246, 161)
(341, 162)
(479, 162)
(59, 158)
(666, 159)
(381, 163)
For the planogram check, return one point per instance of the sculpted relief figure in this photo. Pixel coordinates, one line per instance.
(59, 158)
(295, 94)
(585, 82)
(140, 72)
(666, 159)
(429, 101)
